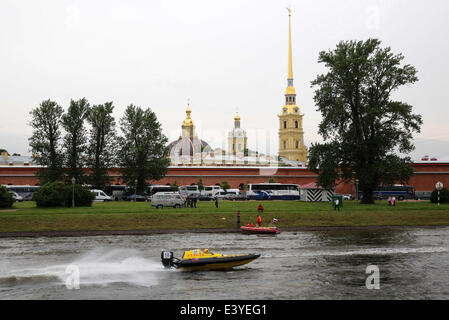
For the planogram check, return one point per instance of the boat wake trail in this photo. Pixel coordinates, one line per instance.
(100, 267)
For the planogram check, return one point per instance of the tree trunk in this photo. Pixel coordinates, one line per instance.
(367, 196)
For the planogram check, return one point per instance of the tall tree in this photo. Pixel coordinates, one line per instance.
(225, 185)
(102, 141)
(363, 128)
(45, 141)
(200, 184)
(75, 146)
(143, 151)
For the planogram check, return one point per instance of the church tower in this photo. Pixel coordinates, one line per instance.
(237, 139)
(291, 134)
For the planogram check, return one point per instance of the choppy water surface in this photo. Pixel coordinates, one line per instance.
(413, 264)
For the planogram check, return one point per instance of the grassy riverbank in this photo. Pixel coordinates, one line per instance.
(141, 216)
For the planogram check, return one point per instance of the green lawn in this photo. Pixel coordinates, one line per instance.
(141, 216)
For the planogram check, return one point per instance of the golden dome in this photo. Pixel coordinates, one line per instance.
(188, 122)
(237, 117)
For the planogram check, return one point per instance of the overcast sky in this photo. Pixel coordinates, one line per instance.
(225, 56)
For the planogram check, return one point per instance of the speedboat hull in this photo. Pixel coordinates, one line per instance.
(259, 230)
(226, 262)
(205, 260)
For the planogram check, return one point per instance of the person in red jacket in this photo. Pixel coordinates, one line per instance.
(250, 224)
(260, 208)
(259, 220)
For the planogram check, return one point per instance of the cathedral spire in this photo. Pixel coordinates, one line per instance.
(291, 134)
(290, 88)
(290, 62)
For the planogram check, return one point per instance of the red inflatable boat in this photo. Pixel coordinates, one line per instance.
(260, 230)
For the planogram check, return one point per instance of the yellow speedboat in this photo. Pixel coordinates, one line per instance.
(205, 260)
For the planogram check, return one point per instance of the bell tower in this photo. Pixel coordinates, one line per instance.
(291, 134)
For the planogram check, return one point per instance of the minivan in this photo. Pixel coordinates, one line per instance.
(167, 199)
(100, 195)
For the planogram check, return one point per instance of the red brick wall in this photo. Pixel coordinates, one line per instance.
(424, 179)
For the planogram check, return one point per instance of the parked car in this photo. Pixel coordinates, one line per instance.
(167, 199)
(348, 196)
(236, 197)
(136, 197)
(422, 195)
(16, 196)
(204, 197)
(100, 195)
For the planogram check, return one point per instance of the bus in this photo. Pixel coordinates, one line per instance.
(25, 191)
(272, 191)
(191, 190)
(155, 188)
(400, 192)
(115, 191)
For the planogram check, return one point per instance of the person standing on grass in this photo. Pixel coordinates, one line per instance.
(337, 204)
(259, 220)
(216, 202)
(260, 208)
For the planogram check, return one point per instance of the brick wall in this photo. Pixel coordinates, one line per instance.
(424, 179)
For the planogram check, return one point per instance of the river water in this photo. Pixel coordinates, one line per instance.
(412, 264)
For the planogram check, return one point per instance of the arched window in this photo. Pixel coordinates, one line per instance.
(297, 144)
(296, 124)
(285, 144)
(285, 124)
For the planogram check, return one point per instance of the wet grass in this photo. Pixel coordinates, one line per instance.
(141, 216)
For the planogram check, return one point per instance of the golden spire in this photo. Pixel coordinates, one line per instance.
(237, 117)
(290, 63)
(290, 88)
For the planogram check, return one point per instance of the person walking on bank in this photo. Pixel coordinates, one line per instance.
(259, 220)
(195, 199)
(216, 202)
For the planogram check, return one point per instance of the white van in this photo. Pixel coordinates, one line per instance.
(220, 195)
(101, 196)
(167, 199)
(211, 191)
(231, 193)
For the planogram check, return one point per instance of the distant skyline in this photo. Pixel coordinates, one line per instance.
(225, 56)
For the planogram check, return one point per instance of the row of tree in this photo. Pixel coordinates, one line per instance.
(85, 136)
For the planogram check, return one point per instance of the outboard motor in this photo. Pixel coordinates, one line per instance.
(167, 259)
